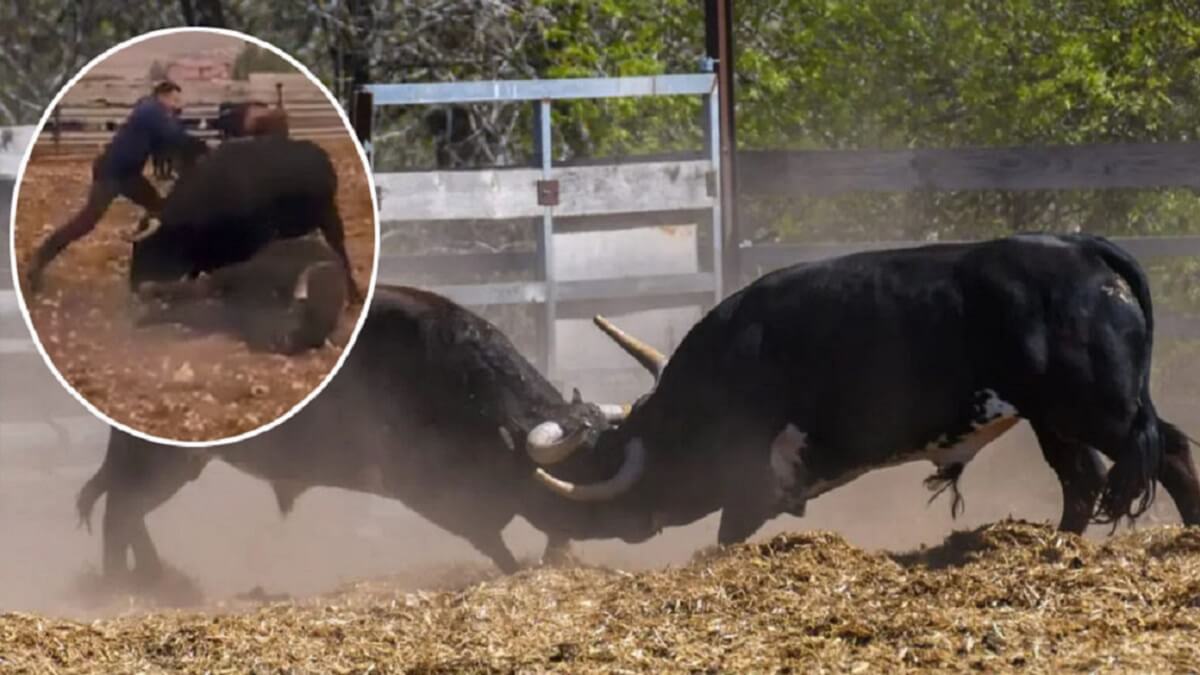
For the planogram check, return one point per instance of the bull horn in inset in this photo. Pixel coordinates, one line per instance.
(547, 444)
(650, 358)
(152, 225)
(629, 473)
(615, 412)
(301, 290)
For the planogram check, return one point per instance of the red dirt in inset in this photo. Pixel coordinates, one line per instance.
(164, 380)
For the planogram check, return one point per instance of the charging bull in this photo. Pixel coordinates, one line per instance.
(286, 299)
(816, 374)
(234, 202)
(434, 407)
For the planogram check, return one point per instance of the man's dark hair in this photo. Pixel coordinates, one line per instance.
(166, 87)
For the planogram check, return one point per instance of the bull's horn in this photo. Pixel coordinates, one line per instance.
(546, 443)
(615, 412)
(650, 358)
(301, 290)
(629, 473)
(152, 225)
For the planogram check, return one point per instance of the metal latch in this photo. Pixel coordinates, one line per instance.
(547, 192)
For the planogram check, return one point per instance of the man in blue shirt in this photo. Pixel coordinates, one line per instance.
(151, 127)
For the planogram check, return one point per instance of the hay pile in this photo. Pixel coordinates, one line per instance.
(1011, 596)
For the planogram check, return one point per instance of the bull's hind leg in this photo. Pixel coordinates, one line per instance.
(335, 234)
(1080, 473)
(492, 545)
(139, 478)
(1177, 473)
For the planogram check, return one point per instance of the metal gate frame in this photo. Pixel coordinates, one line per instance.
(543, 93)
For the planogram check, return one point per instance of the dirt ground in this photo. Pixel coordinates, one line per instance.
(164, 380)
(349, 579)
(1007, 597)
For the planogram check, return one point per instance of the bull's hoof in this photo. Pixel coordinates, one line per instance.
(166, 587)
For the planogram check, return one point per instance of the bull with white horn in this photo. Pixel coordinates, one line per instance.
(821, 372)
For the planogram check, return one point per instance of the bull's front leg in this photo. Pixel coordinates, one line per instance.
(756, 491)
(740, 519)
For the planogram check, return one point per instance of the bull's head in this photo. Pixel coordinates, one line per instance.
(316, 306)
(600, 482)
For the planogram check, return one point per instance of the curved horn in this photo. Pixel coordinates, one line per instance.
(615, 412)
(650, 358)
(546, 443)
(152, 225)
(629, 473)
(300, 292)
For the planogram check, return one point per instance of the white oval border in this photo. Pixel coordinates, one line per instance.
(16, 277)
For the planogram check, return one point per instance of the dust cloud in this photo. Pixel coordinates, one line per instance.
(225, 532)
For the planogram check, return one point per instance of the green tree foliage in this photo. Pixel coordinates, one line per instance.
(841, 74)
(887, 74)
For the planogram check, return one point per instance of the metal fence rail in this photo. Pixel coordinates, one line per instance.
(620, 193)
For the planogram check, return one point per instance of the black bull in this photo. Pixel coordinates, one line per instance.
(433, 406)
(236, 200)
(816, 374)
(794, 385)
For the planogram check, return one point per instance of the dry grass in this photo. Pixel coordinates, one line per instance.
(1011, 596)
(165, 380)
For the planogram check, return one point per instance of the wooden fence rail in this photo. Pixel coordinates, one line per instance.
(1078, 167)
(505, 194)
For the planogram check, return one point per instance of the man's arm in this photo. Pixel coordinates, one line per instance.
(165, 128)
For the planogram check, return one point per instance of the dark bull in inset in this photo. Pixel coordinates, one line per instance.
(234, 202)
(287, 298)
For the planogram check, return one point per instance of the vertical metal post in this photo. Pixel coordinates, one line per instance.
(362, 116)
(718, 34)
(712, 108)
(57, 127)
(546, 247)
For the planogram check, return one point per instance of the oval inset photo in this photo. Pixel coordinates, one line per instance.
(194, 236)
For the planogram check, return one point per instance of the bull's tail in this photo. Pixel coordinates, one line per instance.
(1130, 487)
(89, 494)
(1131, 483)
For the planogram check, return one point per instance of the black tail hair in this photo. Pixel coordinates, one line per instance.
(1132, 481)
(1133, 476)
(90, 493)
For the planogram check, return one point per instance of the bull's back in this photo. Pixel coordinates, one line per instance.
(890, 343)
(245, 176)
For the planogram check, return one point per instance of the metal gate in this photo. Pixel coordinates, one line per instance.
(554, 193)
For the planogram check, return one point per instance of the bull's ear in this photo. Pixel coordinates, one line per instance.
(576, 397)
